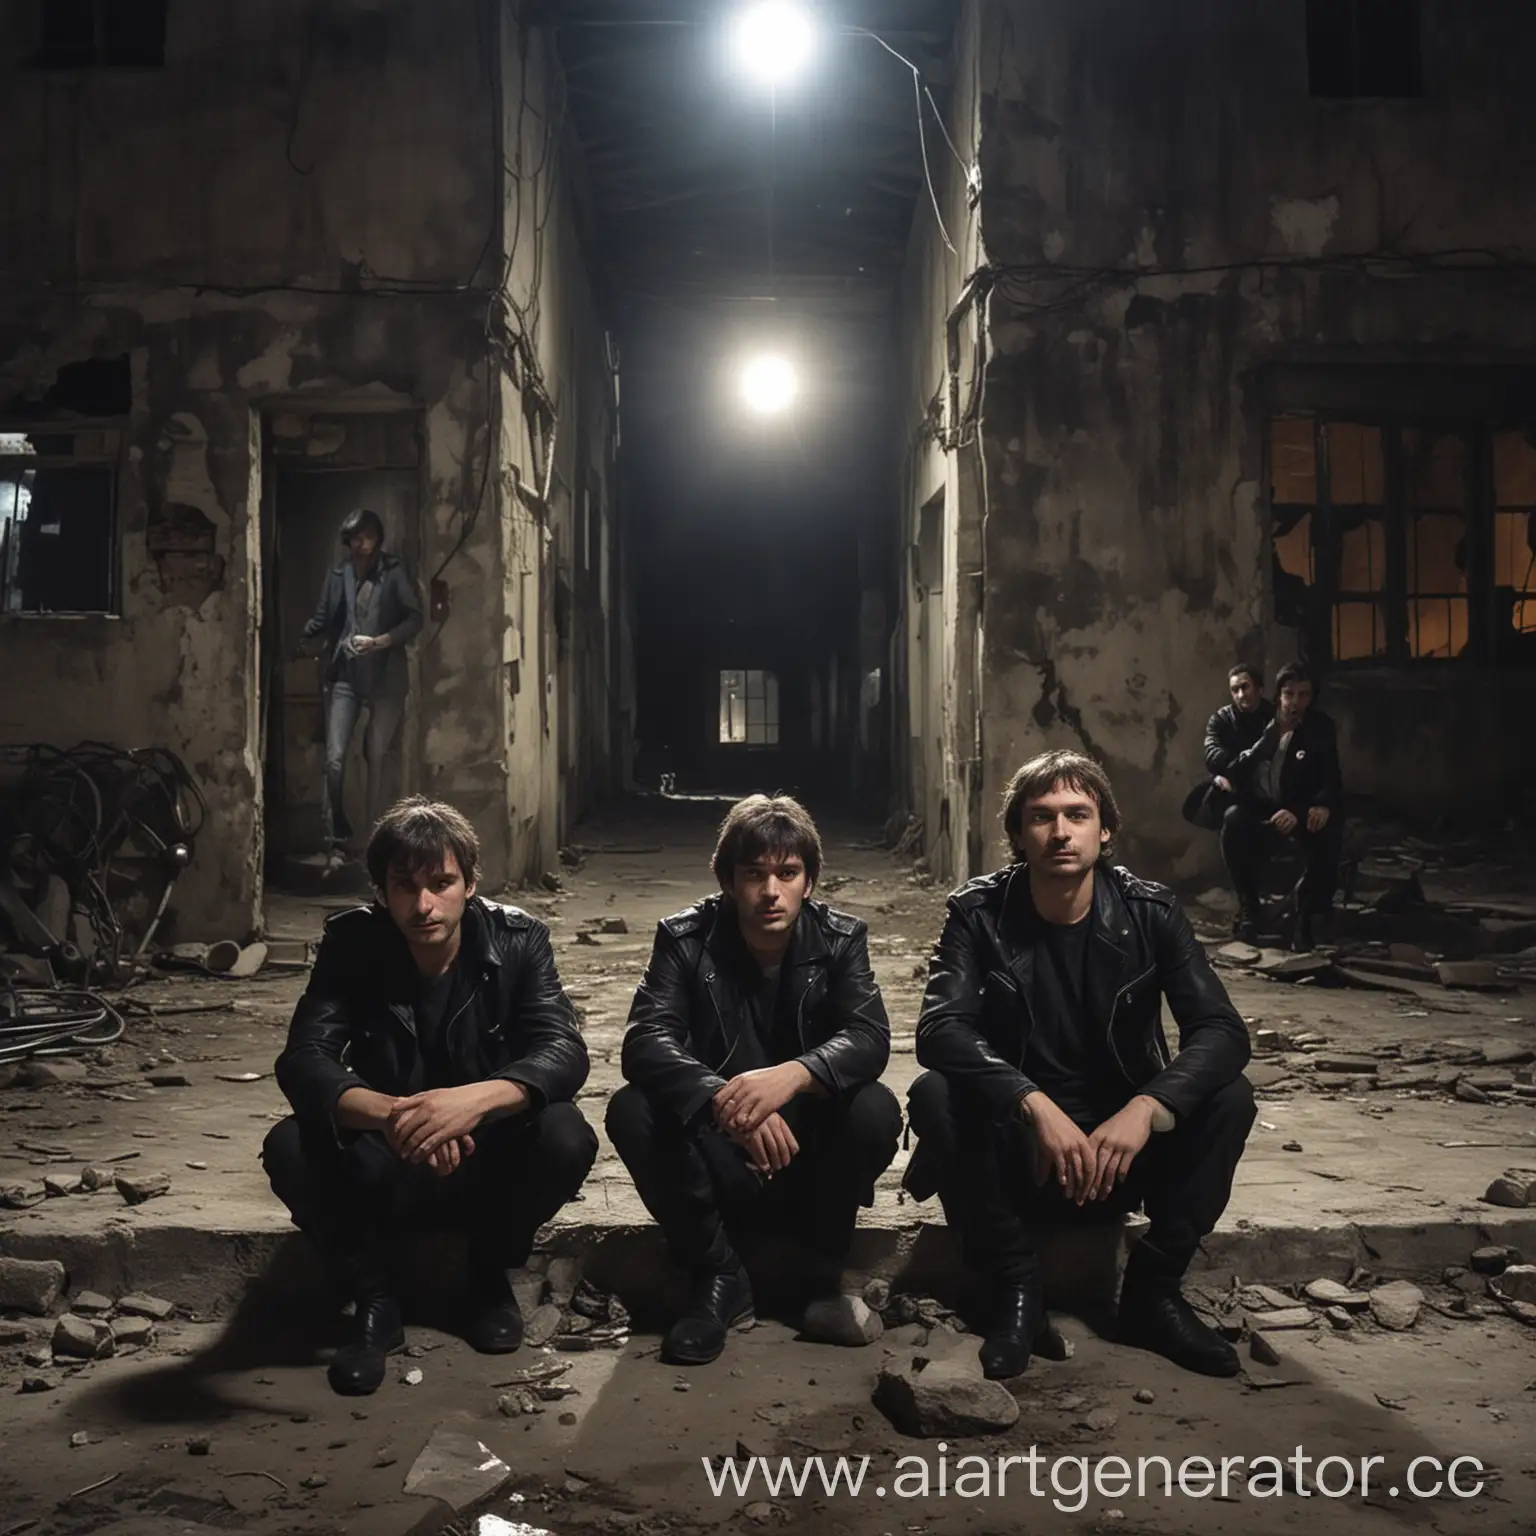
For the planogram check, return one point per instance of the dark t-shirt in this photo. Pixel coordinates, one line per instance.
(433, 997)
(1062, 1057)
(769, 1037)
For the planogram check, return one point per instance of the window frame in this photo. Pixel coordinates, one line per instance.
(1479, 511)
(771, 727)
(109, 458)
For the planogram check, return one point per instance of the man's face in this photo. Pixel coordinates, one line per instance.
(1061, 833)
(428, 904)
(769, 892)
(1295, 698)
(1245, 692)
(364, 544)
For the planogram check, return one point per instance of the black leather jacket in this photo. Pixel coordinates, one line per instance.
(1230, 731)
(355, 1025)
(1309, 773)
(975, 1021)
(690, 1011)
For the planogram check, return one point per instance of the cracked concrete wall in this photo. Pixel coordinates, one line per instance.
(1158, 190)
(931, 670)
(299, 212)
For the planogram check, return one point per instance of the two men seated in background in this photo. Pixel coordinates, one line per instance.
(1275, 784)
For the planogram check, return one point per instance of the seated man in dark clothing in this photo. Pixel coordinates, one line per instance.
(1050, 1090)
(752, 1056)
(431, 1065)
(1230, 730)
(1289, 788)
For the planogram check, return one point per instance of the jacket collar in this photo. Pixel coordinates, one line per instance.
(476, 947)
(807, 944)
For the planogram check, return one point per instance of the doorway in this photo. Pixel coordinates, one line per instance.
(303, 507)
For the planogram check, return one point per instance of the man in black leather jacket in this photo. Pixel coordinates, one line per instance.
(752, 1056)
(1230, 730)
(1050, 1089)
(431, 1065)
(1289, 789)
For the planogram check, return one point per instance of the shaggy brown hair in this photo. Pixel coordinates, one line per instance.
(416, 834)
(766, 825)
(1058, 770)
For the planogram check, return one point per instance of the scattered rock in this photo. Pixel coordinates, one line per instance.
(1339, 1319)
(1100, 1421)
(133, 1331)
(1329, 1293)
(59, 1184)
(1265, 1074)
(1144, 1395)
(37, 1384)
(80, 1438)
(30, 1285)
(1506, 1053)
(1396, 1305)
(1260, 1349)
(21, 1197)
(845, 1320)
(456, 1466)
(78, 1338)
(90, 1301)
(529, 1291)
(1287, 1317)
(562, 1277)
(136, 1188)
(168, 1080)
(947, 1397)
(314, 1480)
(1052, 1344)
(1493, 1260)
(1239, 953)
(138, 1304)
(1510, 1190)
(519, 1402)
(1469, 1093)
(613, 925)
(92, 1179)
(542, 1325)
(877, 1294)
(1264, 1296)
(1468, 973)
(1291, 1146)
(1272, 1040)
(44, 1074)
(1517, 1283)
(413, 1377)
(759, 1512)
(900, 1310)
(1335, 1061)
(1490, 1081)
(12, 1332)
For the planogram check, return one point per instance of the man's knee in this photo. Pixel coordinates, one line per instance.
(282, 1155)
(567, 1144)
(630, 1121)
(874, 1123)
(1234, 819)
(928, 1104)
(1231, 1109)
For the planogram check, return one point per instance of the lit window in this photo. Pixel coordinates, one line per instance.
(58, 549)
(749, 709)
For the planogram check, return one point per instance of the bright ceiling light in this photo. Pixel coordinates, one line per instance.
(769, 385)
(773, 41)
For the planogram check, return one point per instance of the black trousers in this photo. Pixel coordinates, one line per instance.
(709, 1203)
(1248, 842)
(351, 1197)
(985, 1171)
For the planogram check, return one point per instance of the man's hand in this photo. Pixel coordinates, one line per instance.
(770, 1147)
(1317, 818)
(1061, 1148)
(363, 644)
(420, 1124)
(749, 1098)
(448, 1156)
(1283, 822)
(1222, 782)
(1114, 1145)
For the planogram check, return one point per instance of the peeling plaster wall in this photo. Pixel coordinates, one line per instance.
(935, 749)
(227, 223)
(1126, 547)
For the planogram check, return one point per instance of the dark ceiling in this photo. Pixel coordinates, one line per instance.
(703, 184)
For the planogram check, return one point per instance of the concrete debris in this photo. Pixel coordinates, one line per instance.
(946, 1397)
(456, 1466)
(12, 1332)
(1396, 1305)
(30, 1285)
(1255, 1296)
(1469, 1093)
(542, 1324)
(90, 1301)
(1512, 1189)
(529, 1291)
(1494, 1260)
(495, 1525)
(21, 1197)
(37, 1384)
(901, 1309)
(413, 1377)
(1260, 1349)
(79, 1338)
(133, 1332)
(1144, 1395)
(1339, 1319)
(520, 1401)
(1052, 1344)
(80, 1438)
(1334, 1061)
(845, 1320)
(1517, 1283)
(1240, 954)
(562, 1277)
(613, 925)
(136, 1188)
(92, 1179)
(1481, 974)
(140, 1305)
(877, 1294)
(1286, 1317)
(1330, 1293)
(56, 1185)
(1100, 1420)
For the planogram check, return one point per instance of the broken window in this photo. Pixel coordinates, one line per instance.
(100, 34)
(1384, 548)
(749, 709)
(1364, 48)
(58, 544)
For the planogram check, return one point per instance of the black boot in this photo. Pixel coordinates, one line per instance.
(1245, 925)
(357, 1367)
(720, 1302)
(494, 1325)
(1155, 1316)
(1006, 1349)
(1312, 929)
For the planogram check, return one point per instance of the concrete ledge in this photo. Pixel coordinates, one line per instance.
(210, 1271)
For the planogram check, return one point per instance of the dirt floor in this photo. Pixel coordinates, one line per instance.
(1363, 1159)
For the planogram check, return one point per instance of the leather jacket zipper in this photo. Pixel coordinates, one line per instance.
(1114, 1008)
(709, 984)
